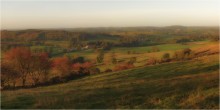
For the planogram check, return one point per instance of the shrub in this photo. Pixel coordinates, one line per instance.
(55, 80)
(113, 58)
(186, 51)
(78, 60)
(123, 66)
(165, 57)
(95, 71)
(184, 54)
(86, 65)
(132, 60)
(108, 70)
(100, 57)
(76, 66)
(152, 61)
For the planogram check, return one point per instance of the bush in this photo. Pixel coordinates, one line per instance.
(108, 70)
(152, 61)
(78, 60)
(186, 51)
(132, 60)
(184, 54)
(113, 58)
(165, 57)
(55, 80)
(100, 57)
(86, 65)
(95, 71)
(123, 66)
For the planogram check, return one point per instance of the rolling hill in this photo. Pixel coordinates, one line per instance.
(188, 84)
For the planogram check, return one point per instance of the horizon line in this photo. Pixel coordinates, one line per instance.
(93, 27)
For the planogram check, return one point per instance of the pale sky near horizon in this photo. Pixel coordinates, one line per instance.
(35, 14)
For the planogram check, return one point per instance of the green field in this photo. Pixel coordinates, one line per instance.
(162, 47)
(141, 53)
(189, 84)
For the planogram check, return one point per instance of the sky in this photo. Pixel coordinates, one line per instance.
(36, 14)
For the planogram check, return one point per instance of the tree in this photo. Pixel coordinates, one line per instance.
(132, 60)
(183, 54)
(8, 74)
(186, 51)
(100, 57)
(75, 42)
(151, 61)
(113, 58)
(165, 57)
(78, 60)
(82, 67)
(40, 67)
(62, 65)
(21, 59)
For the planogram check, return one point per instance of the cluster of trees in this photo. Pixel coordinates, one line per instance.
(24, 63)
(133, 41)
(21, 65)
(184, 54)
(182, 40)
(100, 44)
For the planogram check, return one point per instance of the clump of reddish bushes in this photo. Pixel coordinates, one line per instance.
(123, 66)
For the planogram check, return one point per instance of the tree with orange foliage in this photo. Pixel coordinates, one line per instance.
(82, 67)
(40, 67)
(76, 66)
(62, 65)
(20, 58)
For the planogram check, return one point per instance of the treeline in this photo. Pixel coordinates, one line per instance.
(56, 35)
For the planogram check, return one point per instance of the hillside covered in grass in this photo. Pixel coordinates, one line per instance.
(187, 84)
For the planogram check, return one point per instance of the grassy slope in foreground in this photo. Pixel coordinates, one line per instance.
(190, 84)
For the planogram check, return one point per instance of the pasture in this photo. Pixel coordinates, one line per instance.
(190, 84)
